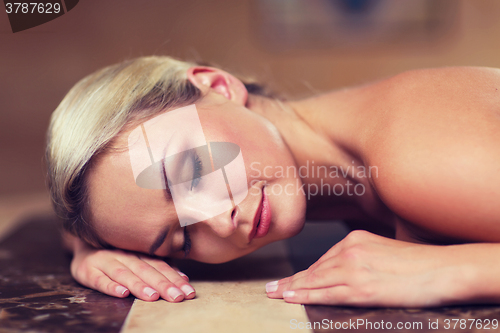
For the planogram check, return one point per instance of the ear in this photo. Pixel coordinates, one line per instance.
(219, 81)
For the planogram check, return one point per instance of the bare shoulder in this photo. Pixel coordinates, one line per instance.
(436, 143)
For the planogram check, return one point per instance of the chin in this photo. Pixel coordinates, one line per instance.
(291, 222)
(295, 228)
(291, 218)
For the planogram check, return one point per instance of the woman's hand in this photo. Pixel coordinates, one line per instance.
(365, 269)
(119, 273)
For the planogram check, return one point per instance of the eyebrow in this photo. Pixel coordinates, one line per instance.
(159, 240)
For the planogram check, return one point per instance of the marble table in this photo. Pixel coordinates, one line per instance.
(37, 293)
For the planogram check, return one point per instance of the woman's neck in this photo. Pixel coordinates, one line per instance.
(324, 134)
(309, 128)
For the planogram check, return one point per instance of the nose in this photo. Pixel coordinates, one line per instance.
(225, 224)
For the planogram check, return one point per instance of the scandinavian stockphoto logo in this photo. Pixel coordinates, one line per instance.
(28, 14)
(204, 179)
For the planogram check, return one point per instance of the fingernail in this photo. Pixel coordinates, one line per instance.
(182, 274)
(121, 290)
(288, 294)
(174, 293)
(150, 291)
(271, 286)
(188, 290)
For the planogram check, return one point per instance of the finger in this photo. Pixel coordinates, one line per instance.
(179, 279)
(121, 274)
(276, 287)
(102, 283)
(319, 278)
(184, 276)
(156, 280)
(290, 279)
(339, 295)
(272, 287)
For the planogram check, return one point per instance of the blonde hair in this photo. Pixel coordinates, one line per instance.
(94, 112)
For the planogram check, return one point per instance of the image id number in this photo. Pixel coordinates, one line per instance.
(32, 7)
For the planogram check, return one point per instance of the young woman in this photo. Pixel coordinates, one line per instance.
(414, 158)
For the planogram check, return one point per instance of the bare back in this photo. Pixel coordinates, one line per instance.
(435, 136)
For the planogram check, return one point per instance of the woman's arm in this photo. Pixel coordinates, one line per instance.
(369, 270)
(119, 273)
(434, 137)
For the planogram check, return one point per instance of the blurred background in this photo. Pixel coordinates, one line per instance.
(296, 47)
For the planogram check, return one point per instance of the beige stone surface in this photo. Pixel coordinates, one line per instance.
(219, 307)
(231, 299)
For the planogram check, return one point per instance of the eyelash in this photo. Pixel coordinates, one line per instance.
(198, 166)
(187, 242)
(167, 182)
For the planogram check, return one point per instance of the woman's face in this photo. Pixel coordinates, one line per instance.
(138, 219)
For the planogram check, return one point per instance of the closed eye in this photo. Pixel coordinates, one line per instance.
(167, 182)
(197, 167)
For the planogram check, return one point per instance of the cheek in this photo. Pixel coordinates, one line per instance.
(261, 146)
(289, 207)
(239, 126)
(276, 167)
(218, 127)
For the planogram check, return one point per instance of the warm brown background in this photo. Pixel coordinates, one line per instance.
(38, 66)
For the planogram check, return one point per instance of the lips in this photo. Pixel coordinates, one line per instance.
(262, 220)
